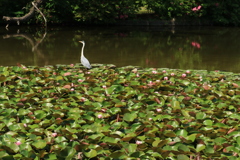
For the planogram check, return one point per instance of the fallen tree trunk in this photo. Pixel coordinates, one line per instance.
(26, 17)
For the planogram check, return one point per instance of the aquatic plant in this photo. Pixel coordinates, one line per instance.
(69, 112)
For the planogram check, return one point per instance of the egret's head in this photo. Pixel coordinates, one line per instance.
(82, 42)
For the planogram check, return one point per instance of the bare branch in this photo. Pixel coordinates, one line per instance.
(26, 17)
(40, 13)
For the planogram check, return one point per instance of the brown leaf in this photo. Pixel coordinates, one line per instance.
(231, 130)
(235, 85)
(157, 100)
(67, 86)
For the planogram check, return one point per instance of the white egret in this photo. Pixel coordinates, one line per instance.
(84, 60)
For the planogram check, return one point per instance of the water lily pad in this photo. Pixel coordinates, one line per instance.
(122, 113)
(182, 157)
(129, 117)
(92, 153)
(200, 147)
(201, 115)
(39, 144)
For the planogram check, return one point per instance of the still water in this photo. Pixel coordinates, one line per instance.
(208, 48)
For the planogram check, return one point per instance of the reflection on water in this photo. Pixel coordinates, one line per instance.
(210, 48)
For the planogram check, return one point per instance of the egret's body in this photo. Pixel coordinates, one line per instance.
(84, 60)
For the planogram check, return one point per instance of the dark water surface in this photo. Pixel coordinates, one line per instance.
(208, 48)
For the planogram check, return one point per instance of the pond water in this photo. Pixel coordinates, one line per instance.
(204, 48)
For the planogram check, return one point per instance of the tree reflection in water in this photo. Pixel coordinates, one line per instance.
(208, 48)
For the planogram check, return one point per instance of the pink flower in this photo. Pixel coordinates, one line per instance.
(72, 65)
(67, 74)
(104, 87)
(137, 75)
(99, 116)
(194, 9)
(184, 75)
(83, 99)
(196, 44)
(25, 125)
(172, 74)
(80, 80)
(139, 142)
(164, 71)
(54, 134)
(154, 72)
(72, 89)
(165, 78)
(197, 8)
(18, 143)
(149, 119)
(159, 109)
(188, 72)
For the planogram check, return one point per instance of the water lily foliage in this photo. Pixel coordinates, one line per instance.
(67, 112)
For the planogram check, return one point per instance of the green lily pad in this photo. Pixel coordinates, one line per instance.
(39, 144)
(200, 147)
(92, 153)
(129, 117)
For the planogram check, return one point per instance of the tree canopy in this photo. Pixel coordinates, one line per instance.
(108, 11)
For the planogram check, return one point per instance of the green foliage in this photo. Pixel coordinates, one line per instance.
(11, 8)
(68, 112)
(224, 12)
(108, 11)
(175, 8)
(219, 12)
(58, 11)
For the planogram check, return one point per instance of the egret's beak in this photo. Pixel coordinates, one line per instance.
(80, 41)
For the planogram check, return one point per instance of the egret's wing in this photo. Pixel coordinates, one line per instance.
(85, 62)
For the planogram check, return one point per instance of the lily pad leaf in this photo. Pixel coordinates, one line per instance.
(169, 133)
(183, 147)
(92, 153)
(191, 137)
(68, 153)
(110, 140)
(182, 133)
(3, 154)
(201, 115)
(208, 122)
(111, 89)
(40, 144)
(11, 147)
(117, 154)
(182, 157)
(238, 140)
(129, 116)
(200, 147)
(175, 104)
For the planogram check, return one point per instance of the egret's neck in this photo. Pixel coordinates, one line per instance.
(82, 49)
